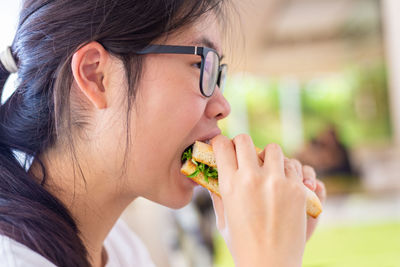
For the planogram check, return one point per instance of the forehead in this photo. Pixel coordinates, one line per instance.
(204, 32)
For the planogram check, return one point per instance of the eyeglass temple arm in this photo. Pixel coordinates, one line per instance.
(170, 49)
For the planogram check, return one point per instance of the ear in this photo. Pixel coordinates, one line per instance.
(89, 68)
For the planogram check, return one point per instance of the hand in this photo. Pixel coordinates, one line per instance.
(262, 210)
(310, 180)
(318, 187)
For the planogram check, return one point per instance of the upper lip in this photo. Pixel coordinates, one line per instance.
(209, 136)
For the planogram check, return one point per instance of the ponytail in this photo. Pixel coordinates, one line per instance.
(29, 214)
(32, 216)
(3, 76)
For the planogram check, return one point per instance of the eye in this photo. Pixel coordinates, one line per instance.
(197, 65)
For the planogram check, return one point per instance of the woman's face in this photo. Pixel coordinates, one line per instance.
(168, 115)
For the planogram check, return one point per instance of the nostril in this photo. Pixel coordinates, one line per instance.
(219, 116)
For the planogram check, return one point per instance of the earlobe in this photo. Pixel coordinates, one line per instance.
(88, 68)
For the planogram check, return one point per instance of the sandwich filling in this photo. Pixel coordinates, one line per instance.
(207, 171)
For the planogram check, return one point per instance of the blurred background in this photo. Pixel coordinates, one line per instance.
(320, 78)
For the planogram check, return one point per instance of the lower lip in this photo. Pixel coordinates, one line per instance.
(193, 182)
(189, 180)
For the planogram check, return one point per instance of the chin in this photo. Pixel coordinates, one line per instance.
(178, 199)
(178, 193)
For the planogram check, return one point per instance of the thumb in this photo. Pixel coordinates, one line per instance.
(219, 211)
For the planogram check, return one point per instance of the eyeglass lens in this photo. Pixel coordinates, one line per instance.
(222, 77)
(210, 73)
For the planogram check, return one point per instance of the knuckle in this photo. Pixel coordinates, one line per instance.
(242, 138)
(252, 181)
(221, 145)
(286, 160)
(273, 150)
(226, 144)
(297, 163)
(309, 171)
(290, 166)
(273, 147)
(248, 183)
(308, 168)
(249, 174)
(219, 140)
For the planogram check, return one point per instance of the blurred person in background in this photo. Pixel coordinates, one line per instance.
(110, 94)
(327, 154)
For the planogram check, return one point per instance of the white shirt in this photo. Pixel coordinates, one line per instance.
(123, 247)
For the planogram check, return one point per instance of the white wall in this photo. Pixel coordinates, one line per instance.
(391, 19)
(8, 21)
(9, 11)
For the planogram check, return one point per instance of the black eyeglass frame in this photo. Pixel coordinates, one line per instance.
(190, 50)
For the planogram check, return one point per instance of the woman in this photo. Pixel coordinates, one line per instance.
(108, 99)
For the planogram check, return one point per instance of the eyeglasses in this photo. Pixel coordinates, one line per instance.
(211, 72)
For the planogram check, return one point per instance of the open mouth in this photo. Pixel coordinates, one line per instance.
(190, 148)
(187, 153)
(198, 157)
(200, 166)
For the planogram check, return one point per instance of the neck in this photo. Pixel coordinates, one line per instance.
(94, 201)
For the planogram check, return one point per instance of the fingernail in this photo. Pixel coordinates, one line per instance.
(310, 184)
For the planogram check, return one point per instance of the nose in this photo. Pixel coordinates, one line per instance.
(217, 107)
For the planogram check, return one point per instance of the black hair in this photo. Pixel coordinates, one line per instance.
(38, 112)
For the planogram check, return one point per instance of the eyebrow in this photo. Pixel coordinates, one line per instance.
(204, 41)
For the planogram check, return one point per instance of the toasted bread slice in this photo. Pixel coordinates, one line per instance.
(204, 153)
(313, 204)
(188, 168)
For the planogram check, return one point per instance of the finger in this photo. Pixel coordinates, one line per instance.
(274, 160)
(311, 225)
(321, 191)
(299, 168)
(225, 154)
(309, 177)
(290, 170)
(245, 151)
(218, 210)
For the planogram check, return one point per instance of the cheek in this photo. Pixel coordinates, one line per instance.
(166, 119)
(161, 132)
(167, 108)
(170, 97)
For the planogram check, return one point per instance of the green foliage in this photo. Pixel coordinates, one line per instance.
(354, 101)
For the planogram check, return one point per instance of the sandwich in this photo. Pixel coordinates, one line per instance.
(199, 164)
